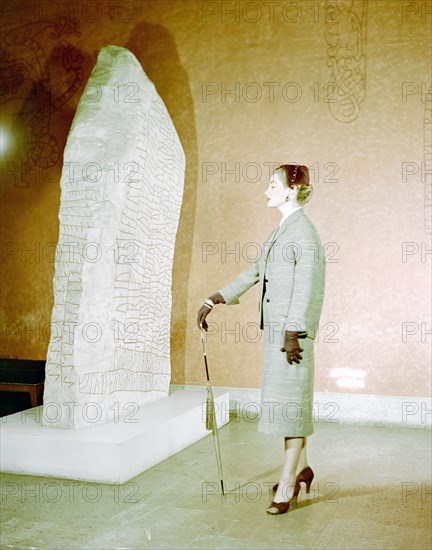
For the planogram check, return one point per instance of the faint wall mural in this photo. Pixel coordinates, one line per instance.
(345, 35)
(37, 85)
(427, 145)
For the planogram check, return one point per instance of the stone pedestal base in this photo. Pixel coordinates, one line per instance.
(111, 453)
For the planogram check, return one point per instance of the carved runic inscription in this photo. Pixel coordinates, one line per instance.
(121, 192)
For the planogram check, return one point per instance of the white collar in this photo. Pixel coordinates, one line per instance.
(289, 214)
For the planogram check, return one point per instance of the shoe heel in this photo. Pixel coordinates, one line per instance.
(309, 483)
(306, 476)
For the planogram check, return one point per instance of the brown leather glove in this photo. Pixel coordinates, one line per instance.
(292, 346)
(204, 310)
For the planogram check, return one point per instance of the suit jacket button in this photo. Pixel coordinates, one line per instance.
(267, 299)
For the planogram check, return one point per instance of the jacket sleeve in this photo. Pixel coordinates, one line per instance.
(238, 286)
(308, 275)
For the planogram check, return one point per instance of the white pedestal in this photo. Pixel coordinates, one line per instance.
(114, 452)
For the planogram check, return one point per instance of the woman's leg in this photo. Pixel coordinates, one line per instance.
(302, 463)
(293, 449)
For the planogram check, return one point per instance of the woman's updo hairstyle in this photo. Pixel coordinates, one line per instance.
(297, 174)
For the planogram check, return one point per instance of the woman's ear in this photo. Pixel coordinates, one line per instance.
(293, 192)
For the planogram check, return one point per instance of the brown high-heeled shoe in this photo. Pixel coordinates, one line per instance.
(283, 507)
(306, 475)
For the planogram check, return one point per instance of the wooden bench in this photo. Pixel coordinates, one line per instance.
(23, 375)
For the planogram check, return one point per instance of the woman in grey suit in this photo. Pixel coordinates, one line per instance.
(291, 275)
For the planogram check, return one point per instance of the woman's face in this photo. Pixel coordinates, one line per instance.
(276, 191)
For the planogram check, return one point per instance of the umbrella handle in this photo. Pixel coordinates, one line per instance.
(205, 354)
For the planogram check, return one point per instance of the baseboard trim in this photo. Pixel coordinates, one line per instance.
(344, 408)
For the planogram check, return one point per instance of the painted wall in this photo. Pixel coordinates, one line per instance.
(339, 86)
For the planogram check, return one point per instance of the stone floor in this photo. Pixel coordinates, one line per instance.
(372, 489)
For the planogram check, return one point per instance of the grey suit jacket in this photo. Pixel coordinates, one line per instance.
(291, 274)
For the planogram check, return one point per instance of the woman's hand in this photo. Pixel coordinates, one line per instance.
(292, 347)
(205, 310)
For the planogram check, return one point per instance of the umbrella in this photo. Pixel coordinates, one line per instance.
(211, 415)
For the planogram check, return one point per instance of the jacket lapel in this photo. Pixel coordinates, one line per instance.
(280, 230)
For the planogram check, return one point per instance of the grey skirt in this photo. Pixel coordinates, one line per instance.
(286, 390)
